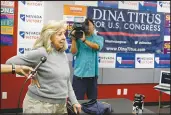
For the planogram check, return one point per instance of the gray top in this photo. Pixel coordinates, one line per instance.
(53, 75)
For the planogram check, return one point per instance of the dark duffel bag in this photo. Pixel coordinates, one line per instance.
(94, 107)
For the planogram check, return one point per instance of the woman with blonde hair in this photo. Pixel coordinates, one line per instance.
(53, 75)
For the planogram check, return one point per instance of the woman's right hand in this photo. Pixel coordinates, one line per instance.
(25, 70)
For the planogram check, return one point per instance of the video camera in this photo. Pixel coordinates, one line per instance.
(79, 29)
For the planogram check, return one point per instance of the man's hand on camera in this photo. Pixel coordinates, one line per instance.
(72, 35)
(83, 38)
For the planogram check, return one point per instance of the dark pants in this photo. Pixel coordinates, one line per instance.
(84, 86)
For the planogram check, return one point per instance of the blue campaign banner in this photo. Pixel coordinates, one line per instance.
(112, 4)
(6, 40)
(125, 60)
(128, 30)
(162, 61)
(148, 6)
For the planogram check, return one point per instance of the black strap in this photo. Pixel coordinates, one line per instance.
(13, 69)
(91, 102)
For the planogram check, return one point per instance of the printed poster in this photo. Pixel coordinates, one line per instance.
(30, 24)
(162, 61)
(73, 13)
(125, 60)
(7, 23)
(163, 6)
(107, 60)
(150, 6)
(144, 60)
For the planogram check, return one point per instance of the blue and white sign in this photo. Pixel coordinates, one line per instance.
(148, 6)
(128, 30)
(107, 60)
(125, 60)
(144, 60)
(162, 61)
(163, 6)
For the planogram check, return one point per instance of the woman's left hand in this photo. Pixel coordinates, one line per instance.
(77, 108)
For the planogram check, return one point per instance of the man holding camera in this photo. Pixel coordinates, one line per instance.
(86, 49)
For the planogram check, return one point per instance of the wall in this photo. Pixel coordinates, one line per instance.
(54, 10)
(110, 80)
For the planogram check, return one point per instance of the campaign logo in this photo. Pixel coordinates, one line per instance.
(31, 18)
(160, 61)
(164, 4)
(24, 2)
(161, 4)
(99, 59)
(21, 50)
(22, 17)
(104, 59)
(22, 34)
(145, 60)
(139, 59)
(24, 50)
(29, 35)
(157, 59)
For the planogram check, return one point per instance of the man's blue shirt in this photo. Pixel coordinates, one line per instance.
(86, 58)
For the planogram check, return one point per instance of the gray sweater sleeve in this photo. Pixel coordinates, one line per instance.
(31, 58)
(71, 93)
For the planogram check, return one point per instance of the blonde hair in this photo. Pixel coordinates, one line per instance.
(47, 32)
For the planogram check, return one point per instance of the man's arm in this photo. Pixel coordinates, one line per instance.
(97, 45)
(92, 45)
(74, 46)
